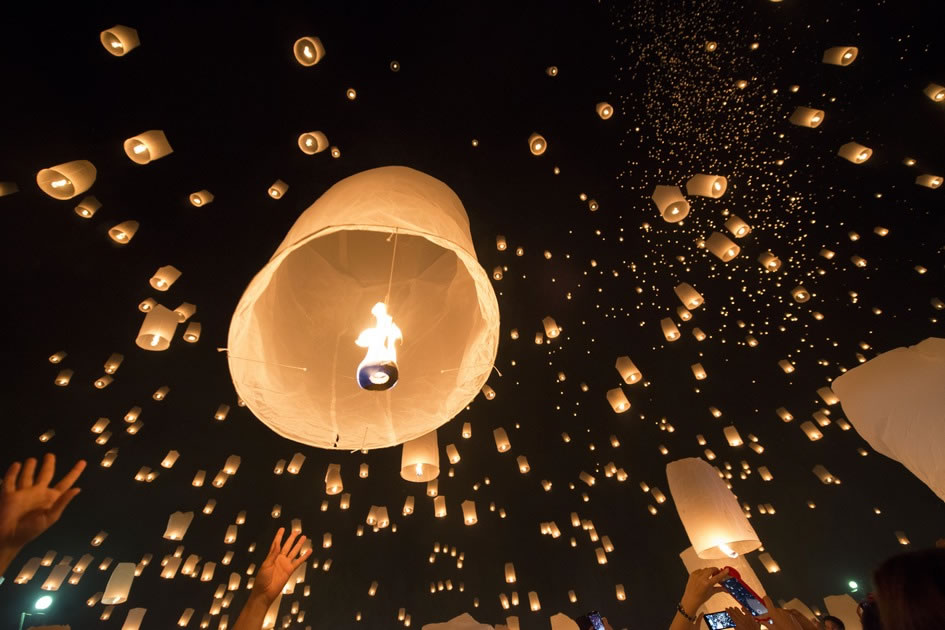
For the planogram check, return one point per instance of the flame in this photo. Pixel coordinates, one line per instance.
(380, 341)
(731, 553)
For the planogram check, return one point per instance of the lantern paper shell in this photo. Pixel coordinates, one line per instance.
(618, 400)
(177, 525)
(123, 232)
(935, 92)
(670, 332)
(308, 50)
(707, 186)
(670, 202)
(185, 311)
(8, 188)
(119, 584)
(769, 261)
(604, 110)
(501, 440)
(88, 207)
(158, 329)
(469, 512)
(807, 117)
(164, 277)
(710, 513)
(895, 400)
(855, 152)
(192, 332)
(420, 459)
(690, 298)
(300, 308)
(278, 189)
(929, 181)
(119, 40)
(737, 227)
(333, 482)
(628, 370)
(147, 147)
(201, 198)
(840, 55)
(67, 180)
(722, 247)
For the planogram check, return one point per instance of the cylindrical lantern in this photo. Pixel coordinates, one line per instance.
(312, 142)
(308, 50)
(278, 189)
(308, 303)
(111, 364)
(408, 506)
(467, 430)
(469, 512)
(185, 311)
(714, 522)
(670, 202)
(737, 226)
(164, 277)
(935, 92)
(522, 462)
(488, 392)
(800, 294)
(201, 198)
(192, 332)
(690, 298)
(855, 152)
(501, 440)
(811, 431)
(604, 110)
(88, 207)
(147, 147)
(929, 181)
(420, 459)
(628, 370)
(840, 55)
(119, 583)
(670, 332)
(769, 261)
(158, 329)
(551, 327)
(123, 232)
(452, 454)
(439, 506)
(64, 376)
(102, 382)
(147, 304)
(333, 482)
(807, 117)
(363, 471)
(722, 247)
(707, 186)
(119, 40)
(618, 400)
(768, 562)
(698, 334)
(698, 371)
(65, 181)
(537, 144)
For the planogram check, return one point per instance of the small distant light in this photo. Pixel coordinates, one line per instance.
(853, 585)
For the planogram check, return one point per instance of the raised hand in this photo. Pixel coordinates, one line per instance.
(280, 563)
(27, 506)
(780, 617)
(743, 621)
(702, 584)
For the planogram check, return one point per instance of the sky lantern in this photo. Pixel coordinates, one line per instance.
(420, 459)
(147, 147)
(312, 142)
(840, 55)
(668, 326)
(737, 227)
(164, 277)
(604, 110)
(800, 294)
(929, 181)
(501, 440)
(713, 186)
(333, 482)
(714, 522)
(855, 152)
(895, 400)
(278, 189)
(807, 117)
(88, 207)
(65, 181)
(308, 50)
(119, 584)
(123, 232)
(537, 144)
(407, 240)
(722, 247)
(192, 332)
(618, 400)
(158, 329)
(690, 298)
(670, 202)
(119, 40)
(628, 370)
(769, 261)
(935, 92)
(469, 512)
(201, 198)
(551, 327)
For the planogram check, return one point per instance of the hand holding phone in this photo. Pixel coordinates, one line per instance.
(718, 620)
(744, 595)
(590, 621)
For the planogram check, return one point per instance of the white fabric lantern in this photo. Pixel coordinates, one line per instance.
(119, 40)
(895, 402)
(707, 186)
(672, 205)
(840, 55)
(714, 522)
(855, 152)
(177, 525)
(158, 329)
(123, 232)
(690, 298)
(420, 459)
(807, 117)
(147, 147)
(308, 50)
(299, 318)
(119, 583)
(67, 180)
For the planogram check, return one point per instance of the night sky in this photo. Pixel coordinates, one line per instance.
(220, 79)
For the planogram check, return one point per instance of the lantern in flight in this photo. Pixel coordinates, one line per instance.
(158, 329)
(670, 202)
(722, 247)
(123, 232)
(690, 298)
(312, 142)
(604, 110)
(147, 147)
(537, 144)
(840, 55)
(935, 92)
(713, 186)
(420, 459)
(119, 40)
(807, 117)
(67, 180)
(308, 50)
(391, 234)
(855, 152)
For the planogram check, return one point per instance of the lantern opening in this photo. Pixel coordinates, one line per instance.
(378, 371)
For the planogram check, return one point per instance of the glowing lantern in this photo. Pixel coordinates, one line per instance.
(828, 395)
(8, 188)
(604, 110)
(714, 522)
(467, 430)
(840, 55)
(500, 243)
(551, 327)
(488, 392)
(177, 525)
(522, 462)
(119, 40)
(856, 153)
(811, 431)
(192, 332)
(420, 459)
(100, 425)
(929, 181)
(670, 202)
(769, 261)
(722, 247)
(147, 147)
(201, 198)
(452, 454)
(618, 400)
(119, 584)
(164, 277)
(669, 329)
(88, 207)
(698, 371)
(935, 92)
(408, 506)
(57, 357)
(587, 478)
(683, 313)
(64, 376)
(113, 362)
(439, 506)
(275, 326)
(312, 142)
(278, 189)
(707, 186)
(690, 298)
(786, 366)
(147, 304)
(621, 593)
(65, 181)
(807, 117)
(158, 329)
(628, 370)
(768, 563)
(469, 512)
(308, 50)
(123, 232)
(800, 294)
(333, 482)
(537, 144)
(737, 227)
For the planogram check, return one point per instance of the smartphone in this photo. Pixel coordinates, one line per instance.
(743, 594)
(718, 621)
(590, 621)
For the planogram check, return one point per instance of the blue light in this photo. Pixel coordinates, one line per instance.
(43, 602)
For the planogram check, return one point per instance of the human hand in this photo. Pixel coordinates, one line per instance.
(280, 563)
(27, 506)
(780, 617)
(743, 621)
(702, 584)
(606, 623)
(803, 622)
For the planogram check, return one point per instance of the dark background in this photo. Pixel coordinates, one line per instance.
(221, 81)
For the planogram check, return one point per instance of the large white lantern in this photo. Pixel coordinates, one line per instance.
(714, 521)
(390, 235)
